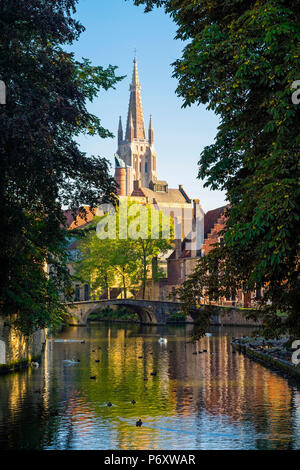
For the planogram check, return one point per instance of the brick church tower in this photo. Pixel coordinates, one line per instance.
(135, 150)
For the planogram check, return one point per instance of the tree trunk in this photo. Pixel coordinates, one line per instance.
(124, 286)
(144, 278)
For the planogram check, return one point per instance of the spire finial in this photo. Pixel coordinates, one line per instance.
(135, 75)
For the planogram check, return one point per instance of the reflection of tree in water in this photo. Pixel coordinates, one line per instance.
(201, 388)
(25, 416)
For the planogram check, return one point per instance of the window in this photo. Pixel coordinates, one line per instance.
(86, 292)
(146, 167)
(77, 293)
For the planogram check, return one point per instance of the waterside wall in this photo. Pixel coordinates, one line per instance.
(16, 350)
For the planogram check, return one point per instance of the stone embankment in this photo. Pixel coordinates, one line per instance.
(276, 354)
(16, 350)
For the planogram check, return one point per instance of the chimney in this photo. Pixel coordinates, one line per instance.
(196, 203)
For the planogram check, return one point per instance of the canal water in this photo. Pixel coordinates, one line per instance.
(210, 400)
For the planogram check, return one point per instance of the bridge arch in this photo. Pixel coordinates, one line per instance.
(149, 311)
(146, 315)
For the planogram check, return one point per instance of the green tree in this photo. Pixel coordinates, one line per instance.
(106, 263)
(153, 231)
(41, 165)
(123, 253)
(242, 58)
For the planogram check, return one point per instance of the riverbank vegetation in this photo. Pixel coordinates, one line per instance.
(241, 59)
(115, 315)
(41, 167)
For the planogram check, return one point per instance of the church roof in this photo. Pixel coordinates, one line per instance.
(172, 196)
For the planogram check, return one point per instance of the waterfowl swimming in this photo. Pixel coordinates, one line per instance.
(97, 360)
(35, 364)
(133, 402)
(71, 361)
(163, 340)
(82, 342)
(109, 404)
(93, 377)
(204, 350)
(139, 423)
(140, 357)
(153, 373)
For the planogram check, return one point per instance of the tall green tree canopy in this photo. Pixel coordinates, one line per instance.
(42, 167)
(118, 248)
(241, 58)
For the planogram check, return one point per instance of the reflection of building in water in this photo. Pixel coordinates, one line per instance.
(233, 387)
(190, 392)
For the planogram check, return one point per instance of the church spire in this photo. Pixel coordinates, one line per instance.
(135, 110)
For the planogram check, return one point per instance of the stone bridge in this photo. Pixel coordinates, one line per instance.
(149, 311)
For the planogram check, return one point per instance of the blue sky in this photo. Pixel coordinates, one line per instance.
(114, 28)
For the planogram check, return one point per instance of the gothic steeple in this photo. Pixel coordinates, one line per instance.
(135, 110)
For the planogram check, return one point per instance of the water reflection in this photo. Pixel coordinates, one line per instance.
(209, 400)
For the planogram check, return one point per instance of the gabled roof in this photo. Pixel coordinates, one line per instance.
(173, 195)
(211, 217)
(74, 221)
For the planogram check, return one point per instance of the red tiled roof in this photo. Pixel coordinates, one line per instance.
(211, 218)
(75, 221)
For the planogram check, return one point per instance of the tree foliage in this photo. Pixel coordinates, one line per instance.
(241, 59)
(41, 165)
(122, 254)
